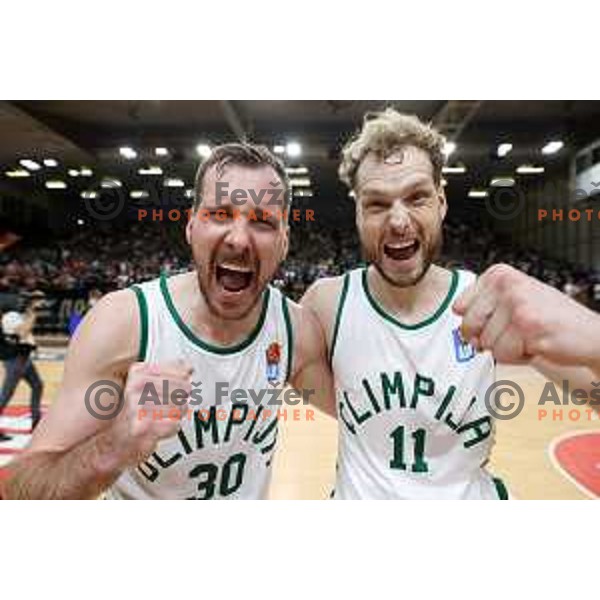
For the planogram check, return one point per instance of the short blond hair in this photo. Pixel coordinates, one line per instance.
(384, 133)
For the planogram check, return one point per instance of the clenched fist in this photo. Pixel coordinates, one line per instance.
(518, 318)
(138, 430)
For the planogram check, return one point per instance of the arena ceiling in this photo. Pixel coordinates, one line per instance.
(84, 138)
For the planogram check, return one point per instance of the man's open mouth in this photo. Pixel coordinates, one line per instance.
(234, 278)
(401, 250)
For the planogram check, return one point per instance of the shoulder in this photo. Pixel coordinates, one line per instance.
(324, 296)
(110, 331)
(308, 341)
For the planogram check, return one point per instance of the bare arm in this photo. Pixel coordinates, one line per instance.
(82, 472)
(522, 320)
(310, 369)
(72, 454)
(579, 378)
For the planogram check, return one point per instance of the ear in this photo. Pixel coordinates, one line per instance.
(443, 203)
(189, 227)
(285, 242)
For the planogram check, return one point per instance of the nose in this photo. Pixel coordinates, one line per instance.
(399, 217)
(238, 234)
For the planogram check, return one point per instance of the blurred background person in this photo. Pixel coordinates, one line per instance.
(17, 330)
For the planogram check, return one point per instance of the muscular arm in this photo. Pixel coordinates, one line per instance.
(522, 320)
(81, 472)
(579, 378)
(72, 454)
(310, 369)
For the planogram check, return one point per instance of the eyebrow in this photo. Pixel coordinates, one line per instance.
(383, 190)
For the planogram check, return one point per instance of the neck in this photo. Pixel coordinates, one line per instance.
(413, 302)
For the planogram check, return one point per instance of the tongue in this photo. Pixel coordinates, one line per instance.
(233, 281)
(401, 253)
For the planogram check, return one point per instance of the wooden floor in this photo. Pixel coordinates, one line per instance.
(305, 465)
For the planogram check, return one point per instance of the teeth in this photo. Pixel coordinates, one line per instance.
(236, 268)
(401, 246)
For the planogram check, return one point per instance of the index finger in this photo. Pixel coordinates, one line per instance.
(462, 303)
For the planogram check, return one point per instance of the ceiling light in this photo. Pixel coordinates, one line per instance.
(174, 182)
(303, 193)
(203, 150)
(502, 182)
(279, 149)
(150, 171)
(138, 194)
(56, 185)
(478, 194)
(296, 170)
(300, 182)
(189, 193)
(454, 170)
(50, 162)
(89, 195)
(73, 172)
(110, 183)
(80, 222)
(552, 147)
(293, 149)
(127, 152)
(85, 172)
(449, 148)
(529, 170)
(17, 173)
(29, 164)
(504, 149)
(161, 151)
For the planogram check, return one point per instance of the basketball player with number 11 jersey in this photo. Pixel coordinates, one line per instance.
(413, 423)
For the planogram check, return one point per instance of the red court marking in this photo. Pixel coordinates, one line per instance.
(10, 450)
(16, 411)
(577, 456)
(9, 430)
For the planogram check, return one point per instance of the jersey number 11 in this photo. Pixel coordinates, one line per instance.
(419, 465)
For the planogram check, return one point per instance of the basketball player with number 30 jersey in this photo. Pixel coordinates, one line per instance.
(412, 419)
(219, 326)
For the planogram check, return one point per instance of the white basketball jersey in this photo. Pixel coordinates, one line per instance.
(410, 398)
(225, 446)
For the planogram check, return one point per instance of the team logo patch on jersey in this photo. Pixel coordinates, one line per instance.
(462, 350)
(273, 359)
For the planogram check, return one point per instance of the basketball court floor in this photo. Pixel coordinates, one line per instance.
(538, 458)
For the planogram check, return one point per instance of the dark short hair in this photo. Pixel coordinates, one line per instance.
(241, 154)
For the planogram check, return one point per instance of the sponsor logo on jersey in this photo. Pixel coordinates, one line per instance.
(273, 355)
(462, 350)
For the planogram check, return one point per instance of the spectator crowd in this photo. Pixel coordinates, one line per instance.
(116, 257)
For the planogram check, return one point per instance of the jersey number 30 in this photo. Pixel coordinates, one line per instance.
(230, 477)
(419, 464)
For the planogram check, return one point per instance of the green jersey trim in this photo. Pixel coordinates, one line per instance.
(143, 306)
(500, 489)
(290, 335)
(206, 345)
(434, 317)
(338, 315)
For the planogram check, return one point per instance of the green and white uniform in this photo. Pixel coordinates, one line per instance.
(223, 450)
(410, 399)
